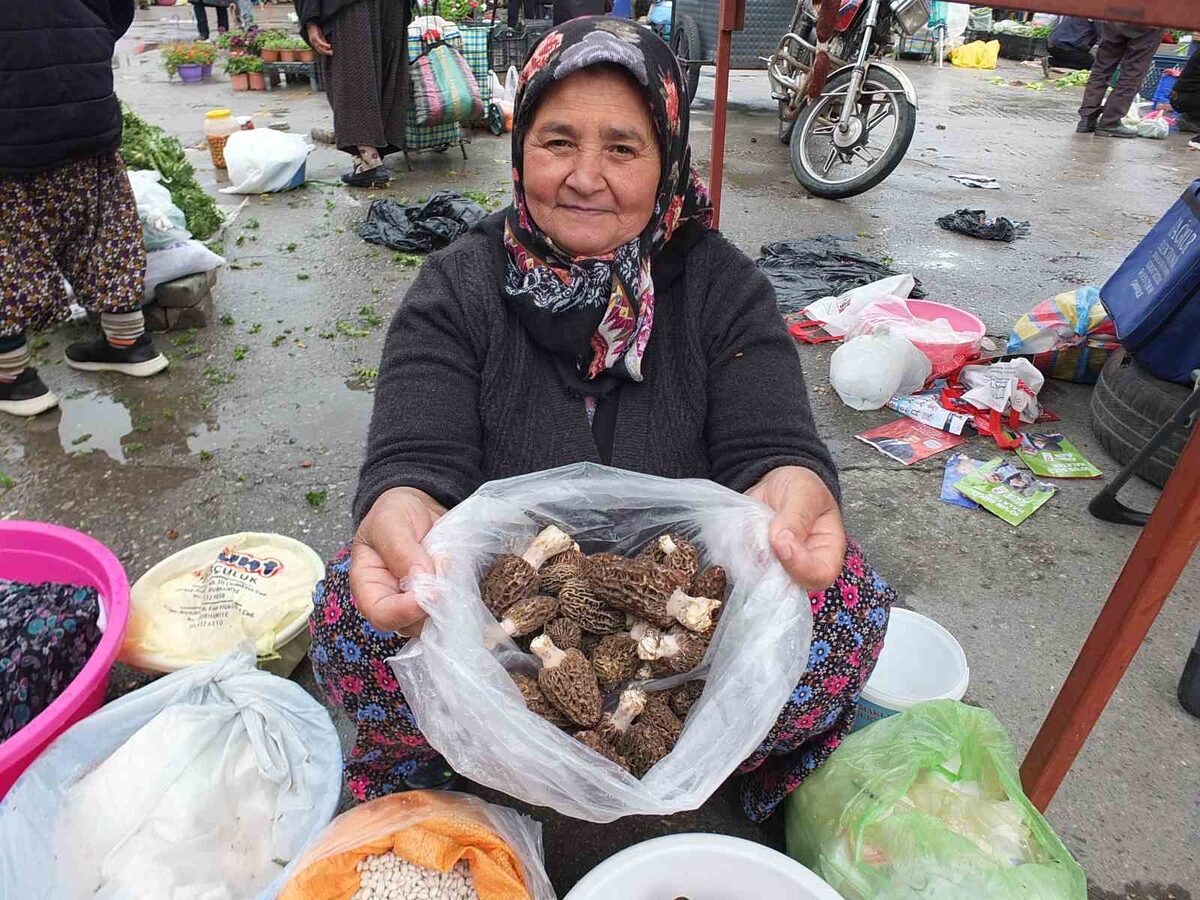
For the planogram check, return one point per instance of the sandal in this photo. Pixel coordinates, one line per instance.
(368, 177)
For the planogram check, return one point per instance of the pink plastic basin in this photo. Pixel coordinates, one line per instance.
(36, 552)
(948, 357)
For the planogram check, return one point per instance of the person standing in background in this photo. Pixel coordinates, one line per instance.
(1185, 94)
(67, 210)
(201, 7)
(1070, 43)
(1130, 48)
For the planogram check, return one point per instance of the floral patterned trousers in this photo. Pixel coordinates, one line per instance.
(850, 619)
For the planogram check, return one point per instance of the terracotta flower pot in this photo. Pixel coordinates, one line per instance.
(306, 55)
(256, 81)
(270, 55)
(191, 73)
(287, 55)
(240, 82)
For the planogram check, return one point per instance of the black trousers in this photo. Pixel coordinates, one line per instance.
(1064, 57)
(1188, 104)
(1132, 49)
(202, 19)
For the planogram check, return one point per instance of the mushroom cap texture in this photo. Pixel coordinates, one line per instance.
(507, 580)
(643, 746)
(566, 633)
(712, 582)
(690, 648)
(615, 660)
(657, 713)
(594, 741)
(637, 586)
(684, 559)
(572, 687)
(536, 701)
(529, 614)
(578, 602)
(684, 697)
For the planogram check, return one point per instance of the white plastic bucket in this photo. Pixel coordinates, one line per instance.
(921, 660)
(700, 867)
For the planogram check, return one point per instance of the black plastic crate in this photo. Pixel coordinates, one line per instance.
(1021, 47)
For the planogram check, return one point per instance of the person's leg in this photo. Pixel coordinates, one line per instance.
(1108, 57)
(102, 254)
(348, 656)
(352, 86)
(222, 18)
(849, 623)
(1188, 108)
(201, 20)
(1138, 52)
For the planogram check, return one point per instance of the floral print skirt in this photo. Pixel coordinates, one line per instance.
(77, 221)
(850, 619)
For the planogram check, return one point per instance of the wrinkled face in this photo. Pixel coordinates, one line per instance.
(592, 162)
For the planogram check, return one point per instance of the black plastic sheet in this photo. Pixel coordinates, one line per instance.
(443, 218)
(807, 269)
(975, 223)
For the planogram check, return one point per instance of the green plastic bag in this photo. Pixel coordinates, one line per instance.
(928, 804)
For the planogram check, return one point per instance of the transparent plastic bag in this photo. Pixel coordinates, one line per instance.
(470, 710)
(928, 803)
(196, 785)
(868, 370)
(163, 222)
(434, 829)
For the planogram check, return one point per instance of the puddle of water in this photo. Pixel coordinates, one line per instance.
(941, 259)
(94, 421)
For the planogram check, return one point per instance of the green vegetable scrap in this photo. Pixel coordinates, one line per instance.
(1073, 79)
(315, 499)
(6, 483)
(145, 146)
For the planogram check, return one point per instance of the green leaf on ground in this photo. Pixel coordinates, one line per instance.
(370, 316)
(204, 455)
(226, 319)
(256, 328)
(315, 499)
(278, 339)
(252, 224)
(407, 260)
(240, 352)
(134, 447)
(6, 483)
(303, 276)
(291, 248)
(82, 439)
(346, 329)
(213, 375)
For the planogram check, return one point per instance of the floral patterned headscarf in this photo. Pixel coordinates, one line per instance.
(595, 313)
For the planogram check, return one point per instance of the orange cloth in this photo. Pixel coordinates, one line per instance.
(434, 829)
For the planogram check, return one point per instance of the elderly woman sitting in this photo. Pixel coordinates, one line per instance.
(599, 318)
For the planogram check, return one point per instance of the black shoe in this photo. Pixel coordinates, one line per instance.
(1188, 125)
(1116, 131)
(97, 355)
(27, 396)
(431, 775)
(369, 178)
(1087, 124)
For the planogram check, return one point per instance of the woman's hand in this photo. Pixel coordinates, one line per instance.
(807, 533)
(316, 37)
(387, 549)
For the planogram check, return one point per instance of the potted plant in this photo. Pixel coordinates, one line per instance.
(204, 55)
(254, 72)
(287, 52)
(181, 60)
(271, 48)
(239, 69)
(304, 53)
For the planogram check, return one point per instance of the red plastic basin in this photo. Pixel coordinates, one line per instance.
(36, 552)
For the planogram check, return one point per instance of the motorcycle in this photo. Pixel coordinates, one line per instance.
(847, 117)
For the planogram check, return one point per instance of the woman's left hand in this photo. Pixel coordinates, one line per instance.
(806, 534)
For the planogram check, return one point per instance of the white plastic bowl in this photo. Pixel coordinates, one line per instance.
(920, 661)
(700, 867)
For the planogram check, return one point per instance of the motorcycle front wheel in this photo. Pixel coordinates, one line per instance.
(830, 164)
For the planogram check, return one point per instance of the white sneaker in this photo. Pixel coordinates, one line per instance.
(1194, 143)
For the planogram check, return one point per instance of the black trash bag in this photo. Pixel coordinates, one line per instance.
(444, 218)
(975, 223)
(805, 270)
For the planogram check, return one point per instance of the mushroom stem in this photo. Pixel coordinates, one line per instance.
(652, 642)
(629, 707)
(544, 649)
(667, 545)
(550, 542)
(693, 613)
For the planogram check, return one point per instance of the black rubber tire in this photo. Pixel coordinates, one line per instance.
(1128, 406)
(685, 44)
(786, 126)
(906, 127)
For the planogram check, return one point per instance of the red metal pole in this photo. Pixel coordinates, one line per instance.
(1158, 559)
(732, 17)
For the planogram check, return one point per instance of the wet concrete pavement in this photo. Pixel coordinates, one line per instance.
(260, 422)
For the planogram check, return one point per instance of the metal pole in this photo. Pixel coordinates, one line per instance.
(732, 17)
(1158, 559)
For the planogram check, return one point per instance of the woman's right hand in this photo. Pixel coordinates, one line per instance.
(386, 550)
(316, 38)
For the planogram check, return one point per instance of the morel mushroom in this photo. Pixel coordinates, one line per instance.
(680, 651)
(528, 615)
(615, 660)
(650, 592)
(536, 701)
(643, 746)
(693, 613)
(657, 712)
(568, 564)
(614, 725)
(576, 601)
(601, 559)
(712, 582)
(676, 553)
(595, 741)
(649, 641)
(684, 697)
(566, 633)
(568, 681)
(511, 578)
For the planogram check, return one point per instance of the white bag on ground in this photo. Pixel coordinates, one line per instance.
(868, 370)
(471, 711)
(200, 786)
(176, 261)
(163, 222)
(841, 313)
(263, 160)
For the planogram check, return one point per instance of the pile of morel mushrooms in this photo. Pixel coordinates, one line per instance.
(601, 625)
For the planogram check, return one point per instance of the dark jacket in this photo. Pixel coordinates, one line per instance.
(1185, 96)
(323, 12)
(1076, 32)
(465, 395)
(56, 85)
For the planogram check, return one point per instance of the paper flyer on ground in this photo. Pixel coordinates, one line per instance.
(958, 466)
(1001, 488)
(908, 441)
(1053, 456)
(927, 409)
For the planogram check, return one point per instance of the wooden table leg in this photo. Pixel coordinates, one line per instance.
(1158, 559)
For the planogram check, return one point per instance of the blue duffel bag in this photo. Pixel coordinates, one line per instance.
(1154, 297)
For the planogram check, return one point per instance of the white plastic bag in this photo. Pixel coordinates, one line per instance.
(176, 261)
(163, 222)
(512, 81)
(841, 313)
(868, 369)
(1155, 126)
(471, 711)
(1012, 384)
(191, 787)
(264, 160)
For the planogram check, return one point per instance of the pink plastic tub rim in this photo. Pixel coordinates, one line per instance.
(37, 551)
(948, 357)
